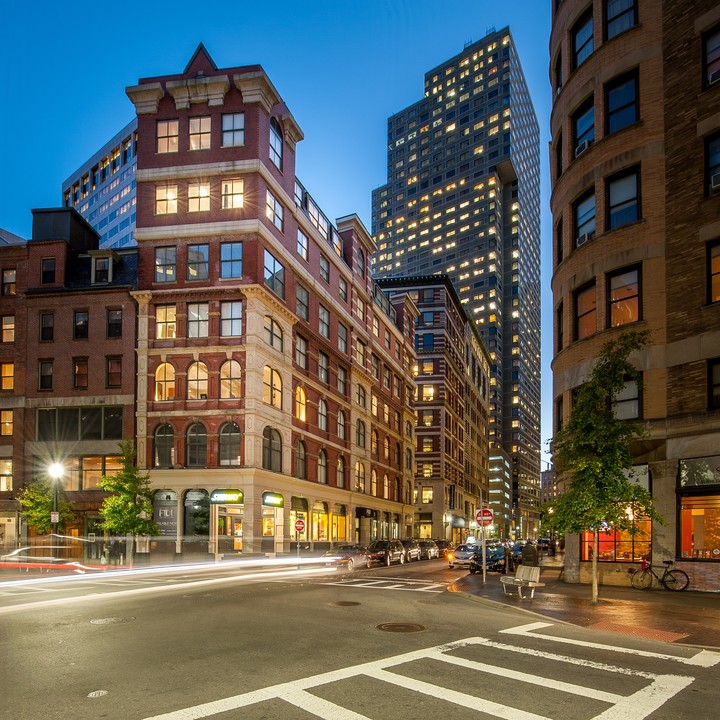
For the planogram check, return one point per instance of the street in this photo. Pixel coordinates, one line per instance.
(384, 643)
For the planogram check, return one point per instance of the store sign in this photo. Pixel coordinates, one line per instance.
(227, 497)
(273, 499)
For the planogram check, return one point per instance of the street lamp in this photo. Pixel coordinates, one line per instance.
(55, 471)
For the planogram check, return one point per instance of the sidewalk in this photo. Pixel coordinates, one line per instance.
(688, 617)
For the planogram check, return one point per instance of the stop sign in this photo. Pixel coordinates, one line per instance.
(484, 517)
(300, 525)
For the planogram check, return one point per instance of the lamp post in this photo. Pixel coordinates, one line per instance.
(55, 471)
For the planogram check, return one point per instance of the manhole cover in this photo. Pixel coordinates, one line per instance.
(401, 627)
(97, 693)
(344, 603)
(111, 621)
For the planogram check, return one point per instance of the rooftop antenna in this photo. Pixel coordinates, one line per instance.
(468, 43)
(489, 29)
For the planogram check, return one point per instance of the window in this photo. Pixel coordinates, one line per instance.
(341, 425)
(323, 367)
(165, 199)
(197, 381)
(322, 415)
(165, 382)
(47, 327)
(113, 372)
(582, 39)
(324, 321)
(621, 103)
(342, 338)
(80, 324)
(231, 318)
(6, 475)
(361, 396)
(713, 264)
(6, 422)
(360, 434)
(229, 445)
(302, 244)
(233, 129)
(620, 15)
(300, 403)
(114, 323)
(386, 450)
(584, 218)
(302, 302)
(272, 387)
(343, 290)
(7, 376)
(276, 144)
(712, 163)
(167, 136)
(232, 194)
(713, 384)
(324, 269)
(9, 279)
(698, 533)
(626, 403)
(340, 472)
(359, 477)
(373, 483)
(374, 443)
(45, 375)
(230, 387)
(274, 211)
(47, 272)
(273, 333)
(231, 260)
(300, 460)
(559, 156)
(360, 259)
(8, 328)
(374, 405)
(198, 197)
(199, 133)
(301, 351)
(342, 380)
(559, 328)
(196, 446)
(623, 199)
(585, 310)
(165, 264)
(426, 495)
(583, 125)
(164, 451)
(375, 366)
(80, 373)
(101, 270)
(360, 352)
(274, 275)
(197, 320)
(272, 450)
(165, 326)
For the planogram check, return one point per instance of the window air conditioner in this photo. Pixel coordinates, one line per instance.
(715, 182)
(583, 239)
(582, 147)
(714, 77)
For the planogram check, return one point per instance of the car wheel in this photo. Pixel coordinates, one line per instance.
(451, 566)
(387, 560)
(472, 570)
(350, 565)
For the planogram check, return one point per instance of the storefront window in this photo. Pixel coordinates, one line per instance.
(268, 522)
(197, 514)
(320, 522)
(619, 545)
(700, 527)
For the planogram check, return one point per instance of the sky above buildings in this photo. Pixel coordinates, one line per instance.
(341, 66)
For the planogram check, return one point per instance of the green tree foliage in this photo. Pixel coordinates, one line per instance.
(593, 450)
(129, 510)
(36, 501)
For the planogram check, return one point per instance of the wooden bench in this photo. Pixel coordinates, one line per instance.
(526, 577)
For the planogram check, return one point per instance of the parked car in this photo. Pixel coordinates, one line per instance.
(461, 555)
(494, 560)
(350, 556)
(444, 547)
(412, 549)
(386, 552)
(429, 549)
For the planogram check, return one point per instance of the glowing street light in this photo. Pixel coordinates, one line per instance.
(56, 471)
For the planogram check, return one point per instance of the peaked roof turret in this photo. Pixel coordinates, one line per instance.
(200, 62)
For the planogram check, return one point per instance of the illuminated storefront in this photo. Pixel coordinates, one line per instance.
(699, 521)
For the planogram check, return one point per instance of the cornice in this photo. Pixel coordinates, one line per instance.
(210, 90)
(145, 98)
(257, 88)
(230, 167)
(230, 227)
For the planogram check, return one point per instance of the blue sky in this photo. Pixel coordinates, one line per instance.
(342, 67)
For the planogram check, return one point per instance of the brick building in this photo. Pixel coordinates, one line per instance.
(635, 162)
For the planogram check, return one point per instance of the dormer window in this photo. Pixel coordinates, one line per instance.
(102, 266)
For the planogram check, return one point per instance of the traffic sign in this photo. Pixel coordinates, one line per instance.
(54, 516)
(484, 517)
(300, 525)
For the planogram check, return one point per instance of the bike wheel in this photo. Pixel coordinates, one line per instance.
(641, 579)
(676, 580)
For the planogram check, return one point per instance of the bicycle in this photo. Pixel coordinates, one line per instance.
(642, 578)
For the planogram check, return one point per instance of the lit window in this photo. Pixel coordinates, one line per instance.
(624, 297)
(274, 211)
(276, 144)
(165, 325)
(198, 197)
(6, 475)
(165, 199)
(9, 279)
(7, 376)
(6, 422)
(231, 260)
(426, 494)
(8, 328)
(233, 129)
(198, 258)
(230, 380)
(231, 318)
(714, 272)
(300, 403)
(272, 387)
(232, 194)
(197, 320)
(165, 382)
(200, 133)
(167, 136)
(197, 381)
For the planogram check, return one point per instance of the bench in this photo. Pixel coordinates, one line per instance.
(526, 577)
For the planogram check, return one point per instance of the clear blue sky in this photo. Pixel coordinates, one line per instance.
(342, 67)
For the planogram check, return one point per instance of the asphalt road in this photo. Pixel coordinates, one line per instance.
(386, 644)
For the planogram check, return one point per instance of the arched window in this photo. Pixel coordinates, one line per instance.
(359, 477)
(272, 450)
(300, 403)
(322, 467)
(397, 489)
(360, 434)
(196, 446)
(300, 461)
(273, 333)
(386, 486)
(272, 387)
(408, 459)
(276, 144)
(229, 445)
(341, 425)
(398, 455)
(373, 483)
(197, 381)
(386, 449)
(230, 379)
(341, 472)
(164, 455)
(374, 442)
(165, 382)
(361, 262)
(322, 415)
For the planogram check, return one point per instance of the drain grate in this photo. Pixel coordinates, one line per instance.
(111, 621)
(97, 693)
(401, 627)
(343, 603)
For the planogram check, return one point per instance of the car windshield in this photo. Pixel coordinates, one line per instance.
(465, 548)
(378, 545)
(347, 548)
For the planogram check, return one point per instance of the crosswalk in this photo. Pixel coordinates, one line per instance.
(385, 583)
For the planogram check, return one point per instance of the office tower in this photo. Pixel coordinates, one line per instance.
(636, 178)
(102, 189)
(462, 199)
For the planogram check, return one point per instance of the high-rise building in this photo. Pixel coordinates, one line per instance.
(463, 199)
(636, 199)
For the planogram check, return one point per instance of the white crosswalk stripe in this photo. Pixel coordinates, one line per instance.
(425, 586)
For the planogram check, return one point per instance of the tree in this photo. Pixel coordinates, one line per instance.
(594, 451)
(36, 501)
(129, 510)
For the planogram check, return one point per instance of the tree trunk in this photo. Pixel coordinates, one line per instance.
(595, 566)
(129, 549)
